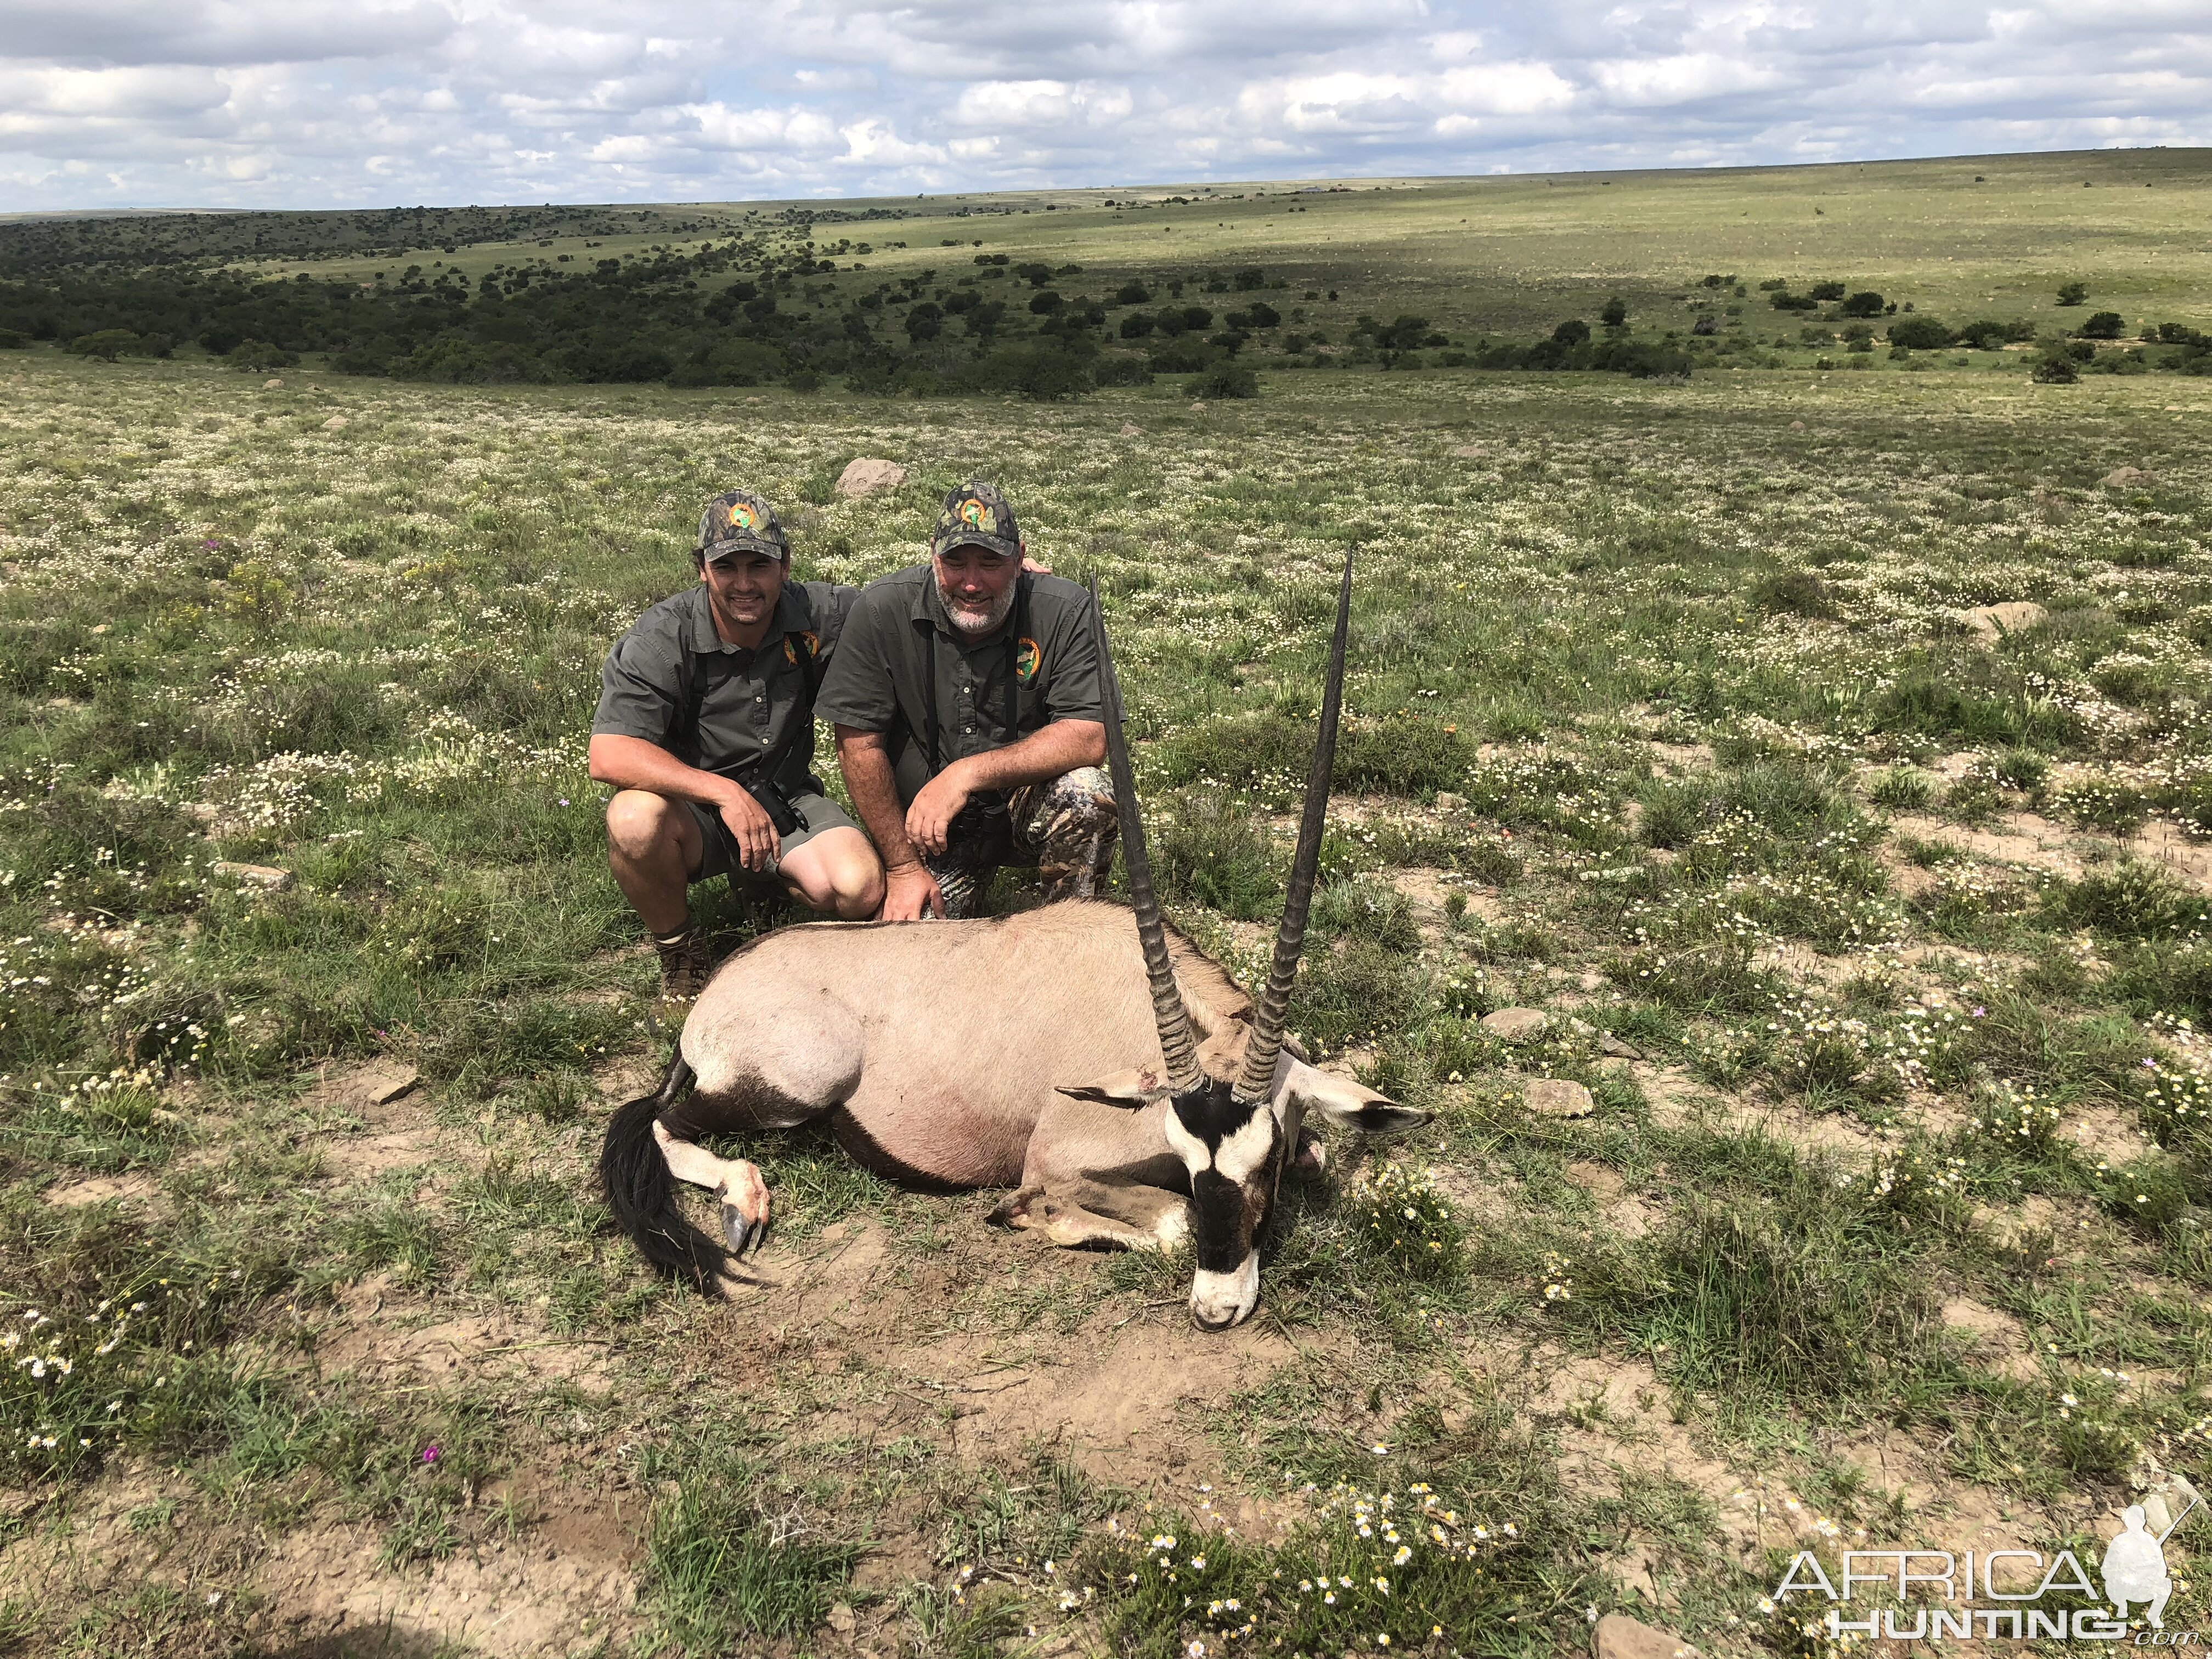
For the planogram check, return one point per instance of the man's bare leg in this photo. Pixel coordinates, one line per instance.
(653, 846)
(836, 873)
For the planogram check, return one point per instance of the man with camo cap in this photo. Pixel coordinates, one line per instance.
(706, 729)
(965, 694)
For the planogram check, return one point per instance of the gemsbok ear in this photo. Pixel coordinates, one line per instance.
(1344, 1105)
(1141, 1087)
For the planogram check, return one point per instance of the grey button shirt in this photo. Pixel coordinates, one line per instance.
(897, 631)
(748, 703)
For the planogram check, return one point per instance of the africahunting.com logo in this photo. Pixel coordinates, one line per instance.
(1965, 1594)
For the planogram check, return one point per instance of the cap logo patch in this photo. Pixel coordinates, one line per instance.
(976, 516)
(1029, 657)
(742, 517)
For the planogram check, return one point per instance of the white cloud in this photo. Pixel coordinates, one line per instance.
(311, 102)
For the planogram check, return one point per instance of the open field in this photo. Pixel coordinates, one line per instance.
(1872, 925)
(901, 296)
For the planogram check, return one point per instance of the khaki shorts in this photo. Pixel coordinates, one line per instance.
(818, 811)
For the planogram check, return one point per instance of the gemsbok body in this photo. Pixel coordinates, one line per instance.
(1083, 1054)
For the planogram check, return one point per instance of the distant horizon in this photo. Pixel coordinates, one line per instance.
(233, 104)
(1371, 179)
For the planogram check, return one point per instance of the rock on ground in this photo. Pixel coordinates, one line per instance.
(869, 477)
(253, 875)
(1517, 1024)
(1557, 1098)
(2120, 476)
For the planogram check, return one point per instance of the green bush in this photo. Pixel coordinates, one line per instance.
(1225, 381)
(1919, 333)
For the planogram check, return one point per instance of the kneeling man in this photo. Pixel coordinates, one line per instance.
(706, 729)
(965, 694)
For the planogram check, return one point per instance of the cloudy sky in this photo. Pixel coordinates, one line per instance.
(302, 103)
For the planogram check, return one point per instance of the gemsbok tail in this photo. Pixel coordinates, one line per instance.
(642, 1192)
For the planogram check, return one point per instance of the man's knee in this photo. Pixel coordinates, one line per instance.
(842, 877)
(855, 883)
(640, 824)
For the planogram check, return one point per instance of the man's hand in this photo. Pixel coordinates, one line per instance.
(758, 845)
(933, 810)
(910, 893)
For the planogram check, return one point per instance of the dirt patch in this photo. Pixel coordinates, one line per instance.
(562, 1586)
(361, 1158)
(2025, 840)
(375, 1092)
(98, 1189)
(2187, 861)
(2109, 1136)
(1999, 1340)
(1684, 758)
(1677, 1097)
(1425, 890)
(1123, 1404)
(380, 1331)
(1615, 1424)
(894, 1339)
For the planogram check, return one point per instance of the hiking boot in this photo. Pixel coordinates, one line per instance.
(685, 967)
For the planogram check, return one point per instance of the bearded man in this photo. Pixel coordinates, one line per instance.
(970, 728)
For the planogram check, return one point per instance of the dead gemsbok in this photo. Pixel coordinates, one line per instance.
(1093, 1060)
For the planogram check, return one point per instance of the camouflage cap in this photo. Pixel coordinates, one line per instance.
(976, 515)
(737, 519)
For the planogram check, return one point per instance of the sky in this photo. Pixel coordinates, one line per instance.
(372, 103)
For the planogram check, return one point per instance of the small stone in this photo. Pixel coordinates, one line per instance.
(1557, 1097)
(1517, 1024)
(869, 477)
(1619, 1047)
(1994, 621)
(1470, 452)
(203, 811)
(1620, 1636)
(1130, 429)
(1795, 426)
(2120, 476)
(1447, 802)
(841, 1619)
(1198, 409)
(336, 423)
(270, 386)
(254, 875)
(381, 1082)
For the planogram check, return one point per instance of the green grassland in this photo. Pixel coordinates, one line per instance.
(1873, 926)
(1972, 235)
(624, 294)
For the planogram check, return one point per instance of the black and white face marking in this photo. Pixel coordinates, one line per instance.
(1231, 1151)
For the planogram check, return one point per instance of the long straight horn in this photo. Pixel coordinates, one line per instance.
(1267, 1039)
(1177, 1046)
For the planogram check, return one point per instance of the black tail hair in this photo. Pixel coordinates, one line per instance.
(633, 1176)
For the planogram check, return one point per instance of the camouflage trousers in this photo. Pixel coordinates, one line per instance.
(1064, 827)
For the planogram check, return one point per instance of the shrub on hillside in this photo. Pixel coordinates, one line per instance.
(1040, 372)
(1225, 381)
(1984, 332)
(1918, 333)
(106, 344)
(2104, 325)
